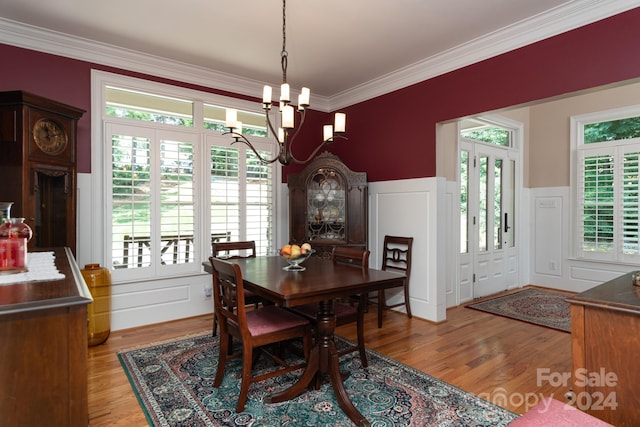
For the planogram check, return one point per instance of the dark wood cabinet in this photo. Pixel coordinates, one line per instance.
(328, 205)
(605, 321)
(38, 141)
(43, 364)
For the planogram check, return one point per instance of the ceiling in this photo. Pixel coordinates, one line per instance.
(334, 46)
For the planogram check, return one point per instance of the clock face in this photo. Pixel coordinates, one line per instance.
(50, 136)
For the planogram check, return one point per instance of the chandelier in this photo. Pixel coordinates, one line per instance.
(286, 134)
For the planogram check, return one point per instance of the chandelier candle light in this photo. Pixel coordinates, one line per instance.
(286, 134)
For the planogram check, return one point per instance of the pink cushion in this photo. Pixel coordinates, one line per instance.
(551, 412)
(270, 319)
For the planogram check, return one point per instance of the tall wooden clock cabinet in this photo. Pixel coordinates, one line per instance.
(328, 205)
(38, 146)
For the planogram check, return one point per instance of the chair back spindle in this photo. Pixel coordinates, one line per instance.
(396, 256)
(228, 291)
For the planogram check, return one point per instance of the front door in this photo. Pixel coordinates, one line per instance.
(488, 253)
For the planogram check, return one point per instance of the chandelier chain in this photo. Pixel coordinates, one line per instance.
(284, 54)
(287, 133)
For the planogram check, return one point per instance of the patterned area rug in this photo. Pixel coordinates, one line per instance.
(541, 307)
(174, 385)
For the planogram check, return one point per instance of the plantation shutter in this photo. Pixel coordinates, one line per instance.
(241, 197)
(131, 189)
(152, 207)
(225, 193)
(596, 204)
(177, 214)
(608, 203)
(259, 202)
(629, 218)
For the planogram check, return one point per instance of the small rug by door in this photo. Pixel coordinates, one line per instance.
(174, 385)
(537, 306)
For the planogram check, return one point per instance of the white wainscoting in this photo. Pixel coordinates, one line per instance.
(552, 264)
(413, 208)
(144, 303)
(141, 302)
(421, 208)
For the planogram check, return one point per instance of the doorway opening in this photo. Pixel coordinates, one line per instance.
(489, 173)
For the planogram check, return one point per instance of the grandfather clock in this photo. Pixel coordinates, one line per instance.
(38, 143)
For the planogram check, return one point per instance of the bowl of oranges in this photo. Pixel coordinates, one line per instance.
(296, 255)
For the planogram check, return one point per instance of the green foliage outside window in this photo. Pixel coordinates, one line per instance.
(612, 130)
(493, 135)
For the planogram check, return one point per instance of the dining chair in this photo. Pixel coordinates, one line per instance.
(348, 310)
(396, 256)
(254, 328)
(236, 250)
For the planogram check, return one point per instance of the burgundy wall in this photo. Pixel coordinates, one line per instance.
(68, 81)
(393, 136)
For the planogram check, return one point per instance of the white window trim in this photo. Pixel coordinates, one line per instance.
(576, 136)
(100, 231)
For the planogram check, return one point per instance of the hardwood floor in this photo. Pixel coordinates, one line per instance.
(490, 356)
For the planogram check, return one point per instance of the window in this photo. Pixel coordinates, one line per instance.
(237, 175)
(173, 183)
(485, 131)
(607, 199)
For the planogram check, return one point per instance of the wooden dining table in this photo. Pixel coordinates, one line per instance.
(322, 282)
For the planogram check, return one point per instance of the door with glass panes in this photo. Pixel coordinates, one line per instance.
(488, 251)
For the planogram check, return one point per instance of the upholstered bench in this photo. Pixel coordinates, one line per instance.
(551, 412)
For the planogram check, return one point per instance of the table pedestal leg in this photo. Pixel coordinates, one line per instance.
(324, 359)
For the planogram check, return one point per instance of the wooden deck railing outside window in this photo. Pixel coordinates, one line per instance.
(178, 247)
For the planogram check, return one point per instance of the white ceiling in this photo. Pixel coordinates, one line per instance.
(334, 46)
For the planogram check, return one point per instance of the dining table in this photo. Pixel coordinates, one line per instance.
(321, 282)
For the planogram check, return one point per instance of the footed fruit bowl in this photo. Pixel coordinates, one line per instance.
(294, 262)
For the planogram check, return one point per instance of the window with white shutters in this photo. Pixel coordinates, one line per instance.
(174, 183)
(237, 175)
(607, 199)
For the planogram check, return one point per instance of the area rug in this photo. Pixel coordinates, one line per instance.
(174, 385)
(537, 306)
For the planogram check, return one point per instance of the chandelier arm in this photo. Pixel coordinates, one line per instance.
(303, 114)
(272, 129)
(241, 138)
(285, 155)
(312, 155)
(290, 141)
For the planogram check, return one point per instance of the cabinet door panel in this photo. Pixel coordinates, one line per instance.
(328, 205)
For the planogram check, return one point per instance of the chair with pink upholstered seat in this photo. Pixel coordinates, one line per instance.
(254, 328)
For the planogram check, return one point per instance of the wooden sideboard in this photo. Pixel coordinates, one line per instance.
(605, 341)
(43, 364)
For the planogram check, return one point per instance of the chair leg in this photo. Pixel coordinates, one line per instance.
(307, 343)
(407, 302)
(381, 303)
(360, 332)
(222, 359)
(215, 325)
(247, 362)
(365, 301)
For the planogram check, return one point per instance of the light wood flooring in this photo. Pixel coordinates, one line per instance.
(488, 355)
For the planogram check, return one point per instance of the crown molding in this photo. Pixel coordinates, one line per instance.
(556, 21)
(57, 43)
(563, 18)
